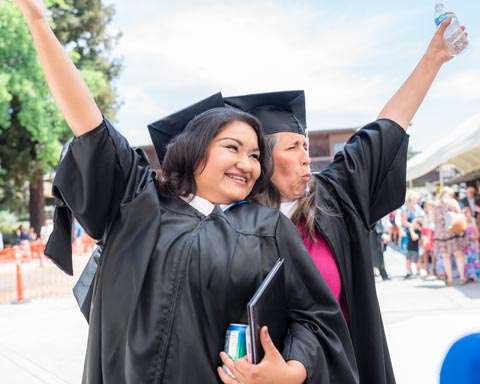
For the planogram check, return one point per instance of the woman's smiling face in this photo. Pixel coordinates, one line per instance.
(232, 165)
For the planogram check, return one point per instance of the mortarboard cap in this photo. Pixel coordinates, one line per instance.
(164, 130)
(277, 111)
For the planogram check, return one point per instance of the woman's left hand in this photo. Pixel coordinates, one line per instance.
(438, 49)
(272, 369)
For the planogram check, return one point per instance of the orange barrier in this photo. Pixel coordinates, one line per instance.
(7, 254)
(26, 274)
(19, 279)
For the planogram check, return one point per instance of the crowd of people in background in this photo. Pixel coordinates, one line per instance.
(438, 234)
(25, 236)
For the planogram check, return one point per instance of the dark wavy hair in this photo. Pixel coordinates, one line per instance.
(189, 150)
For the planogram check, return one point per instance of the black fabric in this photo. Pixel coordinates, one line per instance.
(378, 248)
(412, 245)
(365, 181)
(171, 280)
(83, 289)
(278, 111)
(59, 244)
(165, 129)
(464, 203)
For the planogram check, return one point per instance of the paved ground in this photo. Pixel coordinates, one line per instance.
(44, 341)
(422, 319)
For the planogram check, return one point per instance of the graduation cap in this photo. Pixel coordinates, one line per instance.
(164, 130)
(277, 111)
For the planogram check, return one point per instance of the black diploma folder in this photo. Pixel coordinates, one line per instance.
(268, 306)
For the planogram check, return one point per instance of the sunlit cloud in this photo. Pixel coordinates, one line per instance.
(464, 85)
(349, 66)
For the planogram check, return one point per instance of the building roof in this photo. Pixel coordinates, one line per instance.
(461, 147)
(330, 131)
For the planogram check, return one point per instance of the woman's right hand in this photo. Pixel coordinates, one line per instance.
(273, 369)
(32, 9)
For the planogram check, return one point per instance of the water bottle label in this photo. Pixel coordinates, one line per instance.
(441, 18)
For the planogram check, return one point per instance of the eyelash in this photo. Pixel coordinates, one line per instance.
(294, 147)
(235, 148)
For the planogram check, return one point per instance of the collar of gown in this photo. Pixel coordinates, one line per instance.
(202, 205)
(288, 207)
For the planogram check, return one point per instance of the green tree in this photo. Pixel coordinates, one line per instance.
(82, 25)
(32, 129)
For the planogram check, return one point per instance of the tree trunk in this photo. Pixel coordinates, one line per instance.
(37, 202)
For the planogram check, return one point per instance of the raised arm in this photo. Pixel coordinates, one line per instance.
(405, 102)
(67, 86)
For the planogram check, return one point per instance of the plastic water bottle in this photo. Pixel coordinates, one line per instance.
(454, 35)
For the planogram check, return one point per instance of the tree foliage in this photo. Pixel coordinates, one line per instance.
(83, 26)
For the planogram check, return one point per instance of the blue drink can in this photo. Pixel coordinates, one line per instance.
(236, 341)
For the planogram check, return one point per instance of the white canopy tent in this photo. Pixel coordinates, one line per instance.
(461, 147)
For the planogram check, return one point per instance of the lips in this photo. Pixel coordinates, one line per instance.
(307, 176)
(243, 180)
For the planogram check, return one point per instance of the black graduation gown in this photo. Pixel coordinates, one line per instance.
(366, 181)
(171, 280)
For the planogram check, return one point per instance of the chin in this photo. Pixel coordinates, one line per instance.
(238, 198)
(235, 193)
(230, 198)
(302, 192)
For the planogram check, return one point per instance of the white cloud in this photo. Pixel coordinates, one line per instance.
(348, 63)
(249, 48)
(464, 86)
(138, 109)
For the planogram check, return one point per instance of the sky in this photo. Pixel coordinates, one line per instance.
(349, 57)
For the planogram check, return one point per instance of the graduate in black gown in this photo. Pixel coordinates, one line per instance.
(174, 274)
(183, 251)
(337, 208)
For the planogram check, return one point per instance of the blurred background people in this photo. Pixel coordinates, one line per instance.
(447, 241)
(409, 212)
(378, 237)
(413, 239)
(471, 201)
(472, 266)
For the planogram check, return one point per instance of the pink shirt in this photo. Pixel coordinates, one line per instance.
(323, 259)
(325, 262)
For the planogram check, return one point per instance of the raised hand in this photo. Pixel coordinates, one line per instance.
(403, 105)
(32, 9)
(70, 91)
(273, 369)
(440, 50)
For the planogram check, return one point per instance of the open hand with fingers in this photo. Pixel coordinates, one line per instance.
(273, 369)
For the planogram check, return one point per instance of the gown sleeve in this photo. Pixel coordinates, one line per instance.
(370, 172)
(318, 336)
(98, 173)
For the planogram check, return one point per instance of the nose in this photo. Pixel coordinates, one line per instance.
(244, 163)
(305, 158)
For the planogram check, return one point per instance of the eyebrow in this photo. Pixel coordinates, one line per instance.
(239, 142)
(231, 138)
(298, 142)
